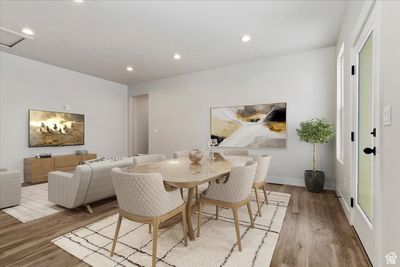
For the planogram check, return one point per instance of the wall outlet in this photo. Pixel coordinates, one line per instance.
(387, 116)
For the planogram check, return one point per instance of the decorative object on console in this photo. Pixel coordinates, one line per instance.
(250, 126)
(47, 128)
(81, 152)
(315, 131)
(43, 156)
(195, 155)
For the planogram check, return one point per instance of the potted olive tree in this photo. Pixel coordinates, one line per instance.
(315, 131)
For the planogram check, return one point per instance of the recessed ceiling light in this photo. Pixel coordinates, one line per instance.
(129, 68)
(78, 1)
(177, 56)
(245, 38)
(27, 31)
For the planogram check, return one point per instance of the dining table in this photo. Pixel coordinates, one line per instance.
(183, 173)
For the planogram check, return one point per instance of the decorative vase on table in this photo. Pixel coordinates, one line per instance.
(195, 155)
(315, 131)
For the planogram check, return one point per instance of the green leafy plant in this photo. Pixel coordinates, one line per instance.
(315, 131)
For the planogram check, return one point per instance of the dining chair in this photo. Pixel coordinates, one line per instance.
(263, 163)
(232, 194)
(142, 198)
(145, 159)
(236, 152)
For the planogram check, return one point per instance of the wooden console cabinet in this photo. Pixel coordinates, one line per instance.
(37, 170)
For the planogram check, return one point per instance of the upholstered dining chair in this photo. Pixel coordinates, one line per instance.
(142, 198)
(260, 179)
(180, 154)
(145, 159)
(236, 152)
(232, 194)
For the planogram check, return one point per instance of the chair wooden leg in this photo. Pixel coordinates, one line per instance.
(265, 195)
(181, 189)
(149, 228)
(199, 217)
(250, 214)
(116, 235)
(236, 218)
(197, 194)
(184, 226)
(89, 209)
(258, 202)
(156, 223)
(216, 212)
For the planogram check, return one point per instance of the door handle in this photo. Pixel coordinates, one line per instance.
(369, 150)
(373, 132)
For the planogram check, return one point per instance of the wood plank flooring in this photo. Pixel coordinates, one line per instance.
(315, 233)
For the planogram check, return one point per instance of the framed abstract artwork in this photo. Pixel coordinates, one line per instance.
(250, 126)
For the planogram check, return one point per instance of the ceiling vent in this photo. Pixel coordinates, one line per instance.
(9, 38)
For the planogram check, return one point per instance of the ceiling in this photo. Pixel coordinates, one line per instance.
(102, 38)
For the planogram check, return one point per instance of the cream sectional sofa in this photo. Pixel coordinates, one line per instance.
(88, 183)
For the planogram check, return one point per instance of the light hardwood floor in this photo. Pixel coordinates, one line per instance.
(315, 233)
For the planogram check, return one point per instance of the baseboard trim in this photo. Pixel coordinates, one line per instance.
(345, 206)
(296, 182)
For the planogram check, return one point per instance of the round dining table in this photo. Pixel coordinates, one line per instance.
(182, 173)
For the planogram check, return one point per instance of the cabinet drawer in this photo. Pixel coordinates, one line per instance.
(40, 169)
(89, 157)
(66, 161)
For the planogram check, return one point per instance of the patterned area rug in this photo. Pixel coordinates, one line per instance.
(216, 245)
(34, 204)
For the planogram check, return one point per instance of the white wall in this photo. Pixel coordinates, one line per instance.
(179, 107)
(27, 84)
(388, 236)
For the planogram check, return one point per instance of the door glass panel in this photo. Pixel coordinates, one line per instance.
(365, 127)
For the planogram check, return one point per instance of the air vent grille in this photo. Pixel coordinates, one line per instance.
(10, 38)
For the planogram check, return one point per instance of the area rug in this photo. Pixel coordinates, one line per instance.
(216, 245)
(34, 204)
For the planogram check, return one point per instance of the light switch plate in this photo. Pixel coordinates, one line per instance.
(387, 116)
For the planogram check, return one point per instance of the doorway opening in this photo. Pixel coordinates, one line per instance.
(138, 125)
